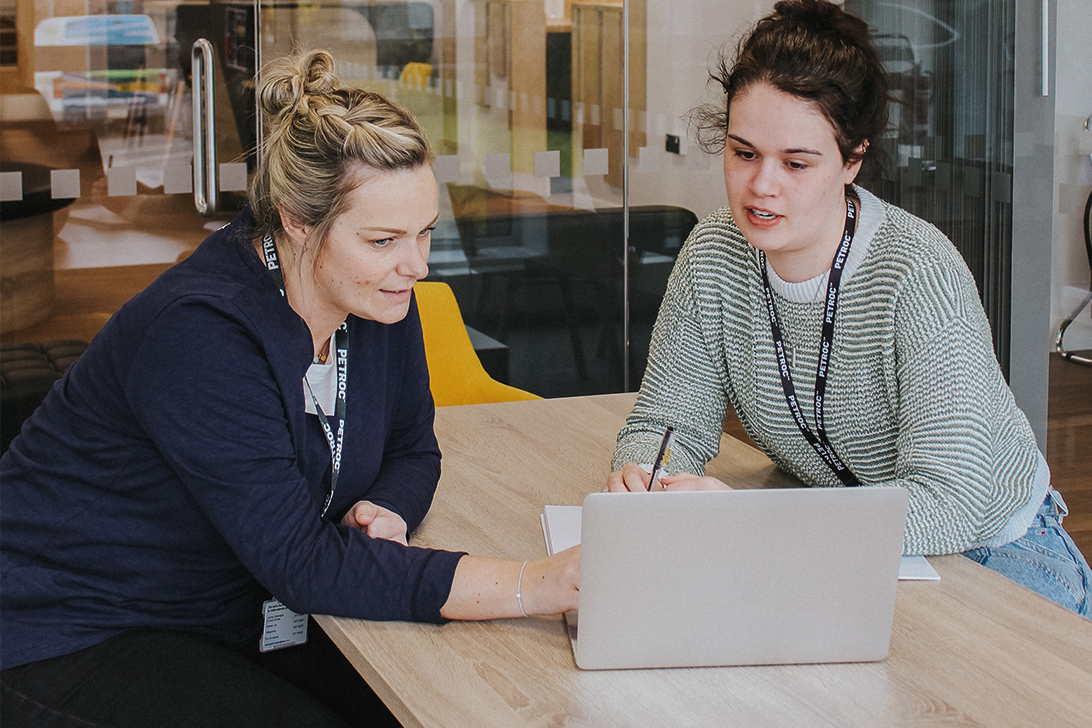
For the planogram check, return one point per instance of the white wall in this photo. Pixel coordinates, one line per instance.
(1072, 170)
(683, 41)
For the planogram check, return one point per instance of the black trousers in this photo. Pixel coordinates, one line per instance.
(149, 679)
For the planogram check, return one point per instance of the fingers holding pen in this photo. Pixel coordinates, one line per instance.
(688, 481)
(631, 477)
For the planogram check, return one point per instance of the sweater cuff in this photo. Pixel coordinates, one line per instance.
(434, 586)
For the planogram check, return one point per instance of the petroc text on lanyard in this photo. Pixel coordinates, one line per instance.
(341, 345)
(818, 439)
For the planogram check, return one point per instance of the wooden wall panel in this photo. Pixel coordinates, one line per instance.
(598, 56)
(511, 47)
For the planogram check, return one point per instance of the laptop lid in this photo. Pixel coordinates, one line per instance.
(741, 577)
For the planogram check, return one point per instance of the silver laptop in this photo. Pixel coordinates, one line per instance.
(742, 577)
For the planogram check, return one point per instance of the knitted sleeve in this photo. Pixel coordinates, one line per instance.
(685, 381)
(964, 451)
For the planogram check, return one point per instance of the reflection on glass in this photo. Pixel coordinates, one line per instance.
(951, 143)
(524, 239)
(523, 103)
(96, 143)
(679, 42)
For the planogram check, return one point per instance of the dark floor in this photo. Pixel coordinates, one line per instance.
(1069, 444)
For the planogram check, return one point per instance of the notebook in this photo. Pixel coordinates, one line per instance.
(741, 577)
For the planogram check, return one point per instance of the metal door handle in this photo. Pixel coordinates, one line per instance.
(204, 130)
(1045, 47)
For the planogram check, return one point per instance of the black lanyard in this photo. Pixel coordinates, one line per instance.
(341, 346)
(818, 439)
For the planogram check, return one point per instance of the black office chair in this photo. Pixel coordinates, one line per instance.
(27, 373)
(1084, 357)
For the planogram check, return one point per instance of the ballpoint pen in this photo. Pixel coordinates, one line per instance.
(662, 456)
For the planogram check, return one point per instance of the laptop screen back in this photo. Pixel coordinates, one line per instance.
(743, 577)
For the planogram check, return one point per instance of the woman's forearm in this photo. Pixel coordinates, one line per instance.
(486, 588)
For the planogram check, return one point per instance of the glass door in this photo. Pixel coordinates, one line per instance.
(567, 179)
(97, 147)
(530, 232)
(100, 103)
(972, 151)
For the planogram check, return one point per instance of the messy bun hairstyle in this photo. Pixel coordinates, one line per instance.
(816, 51)
(318, 136)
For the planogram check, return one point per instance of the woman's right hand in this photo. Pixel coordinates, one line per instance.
(552, 585)
(632, 477)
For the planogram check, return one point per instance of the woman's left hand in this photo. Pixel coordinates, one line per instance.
(376, 521)
(687, 481)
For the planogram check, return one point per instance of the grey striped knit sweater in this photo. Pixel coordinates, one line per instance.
(915, 397)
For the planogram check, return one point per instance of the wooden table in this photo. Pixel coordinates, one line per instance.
(973, 649)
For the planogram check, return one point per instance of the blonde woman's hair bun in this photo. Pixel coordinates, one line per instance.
(319, 74)
(288, 82)
(319, 136)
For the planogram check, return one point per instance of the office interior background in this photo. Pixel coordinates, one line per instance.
(568, 176)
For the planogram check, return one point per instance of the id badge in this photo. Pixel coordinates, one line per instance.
(282, 628)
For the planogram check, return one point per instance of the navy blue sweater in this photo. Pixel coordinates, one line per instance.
(172, 479)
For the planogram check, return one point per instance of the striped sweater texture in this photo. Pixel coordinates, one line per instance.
(915, 397)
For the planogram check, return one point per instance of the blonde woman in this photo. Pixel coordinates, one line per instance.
(248, 440)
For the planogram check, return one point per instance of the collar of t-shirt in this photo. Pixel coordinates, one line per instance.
(322, 380)
(872, 215)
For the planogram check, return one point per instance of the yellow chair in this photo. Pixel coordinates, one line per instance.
(455, 372)
(416, 75)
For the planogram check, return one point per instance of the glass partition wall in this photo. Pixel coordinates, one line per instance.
(567, 176)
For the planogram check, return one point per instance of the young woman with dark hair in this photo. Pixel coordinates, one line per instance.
(847, 334)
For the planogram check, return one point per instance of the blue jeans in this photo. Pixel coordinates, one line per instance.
(1045, 559)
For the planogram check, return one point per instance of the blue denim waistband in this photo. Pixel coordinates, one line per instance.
(1053, 506)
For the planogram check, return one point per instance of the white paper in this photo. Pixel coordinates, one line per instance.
(561, 527)
(916, 568)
